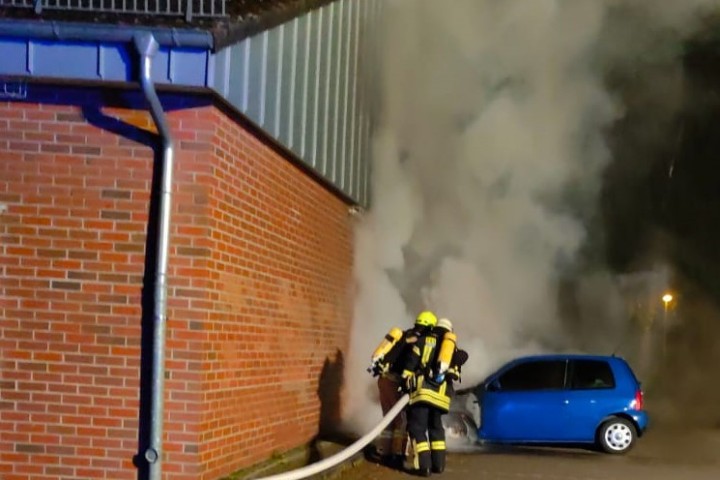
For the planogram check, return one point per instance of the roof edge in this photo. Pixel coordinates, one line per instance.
(222, 104)
(72, 31)
(228, 31)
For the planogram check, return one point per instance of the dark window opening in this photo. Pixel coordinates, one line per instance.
(535, 375)
(590, 374)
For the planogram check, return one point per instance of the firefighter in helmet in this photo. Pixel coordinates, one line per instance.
(432, 366)
(388, 361)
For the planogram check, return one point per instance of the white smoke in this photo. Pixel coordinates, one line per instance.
(487, 161)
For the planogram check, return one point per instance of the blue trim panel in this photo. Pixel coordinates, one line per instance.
(111, 61)
(14, 54)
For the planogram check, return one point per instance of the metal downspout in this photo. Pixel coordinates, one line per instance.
(147, 47)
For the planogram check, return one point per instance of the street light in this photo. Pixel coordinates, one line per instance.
(667, 298)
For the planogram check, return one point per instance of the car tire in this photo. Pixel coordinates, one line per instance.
(617, 436)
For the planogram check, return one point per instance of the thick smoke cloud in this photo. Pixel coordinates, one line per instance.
(489, 160)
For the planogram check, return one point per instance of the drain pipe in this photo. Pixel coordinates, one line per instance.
(147, 47)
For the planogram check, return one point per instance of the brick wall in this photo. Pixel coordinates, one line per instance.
(281, 272)
(259, 277)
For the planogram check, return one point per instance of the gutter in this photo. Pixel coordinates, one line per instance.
(147, 47)
(84, 32)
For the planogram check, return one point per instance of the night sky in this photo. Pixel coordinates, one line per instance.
(661, 203)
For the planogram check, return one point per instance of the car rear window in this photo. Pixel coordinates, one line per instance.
(591, 374)
(534, 375)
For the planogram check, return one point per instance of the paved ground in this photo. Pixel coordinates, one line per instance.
(663, 454)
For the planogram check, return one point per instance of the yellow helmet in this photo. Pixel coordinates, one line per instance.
(426, 319)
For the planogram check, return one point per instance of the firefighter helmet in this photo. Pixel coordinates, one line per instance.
(426, 319)
(445, 323)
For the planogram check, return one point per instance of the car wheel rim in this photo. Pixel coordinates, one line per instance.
(618, 437)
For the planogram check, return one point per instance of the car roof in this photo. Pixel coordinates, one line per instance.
(566, 356)
(553, 356)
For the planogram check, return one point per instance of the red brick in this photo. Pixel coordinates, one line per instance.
(81, 222)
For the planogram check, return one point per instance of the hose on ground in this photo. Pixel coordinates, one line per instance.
(345, 454)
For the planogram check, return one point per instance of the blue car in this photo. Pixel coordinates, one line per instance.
(553, 399)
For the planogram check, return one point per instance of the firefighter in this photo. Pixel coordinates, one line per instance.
(388, 360)
(432, 366)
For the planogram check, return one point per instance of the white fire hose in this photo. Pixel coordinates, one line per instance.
(340, 457)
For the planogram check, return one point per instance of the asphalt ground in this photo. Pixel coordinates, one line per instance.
(667, 453)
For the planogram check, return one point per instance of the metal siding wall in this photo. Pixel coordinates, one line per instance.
(303, 98)
(344, 101)
(366, 41)
(323, 84)
(329, 74)
(302, 82)
(236, 76)
(355, 107)
(297, 111)
(272, 80)
(372, 23)
(339, 100)
(287, 65)
(255, 65)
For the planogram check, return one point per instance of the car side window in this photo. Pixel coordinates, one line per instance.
(591, 374)
(534, 375)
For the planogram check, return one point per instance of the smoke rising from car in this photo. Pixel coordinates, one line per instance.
(488, 167)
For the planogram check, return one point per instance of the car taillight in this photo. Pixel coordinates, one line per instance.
(638, 402)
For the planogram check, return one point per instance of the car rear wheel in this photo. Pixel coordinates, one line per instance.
(617, 435)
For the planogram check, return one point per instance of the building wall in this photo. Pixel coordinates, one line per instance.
(256, 278)
(280, 271)
(308, 82)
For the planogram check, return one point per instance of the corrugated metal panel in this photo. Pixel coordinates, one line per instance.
(303, 83)
(100, 61)
(371, 39)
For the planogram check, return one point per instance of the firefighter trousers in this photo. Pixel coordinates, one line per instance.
(392, 439)
(428, 437)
